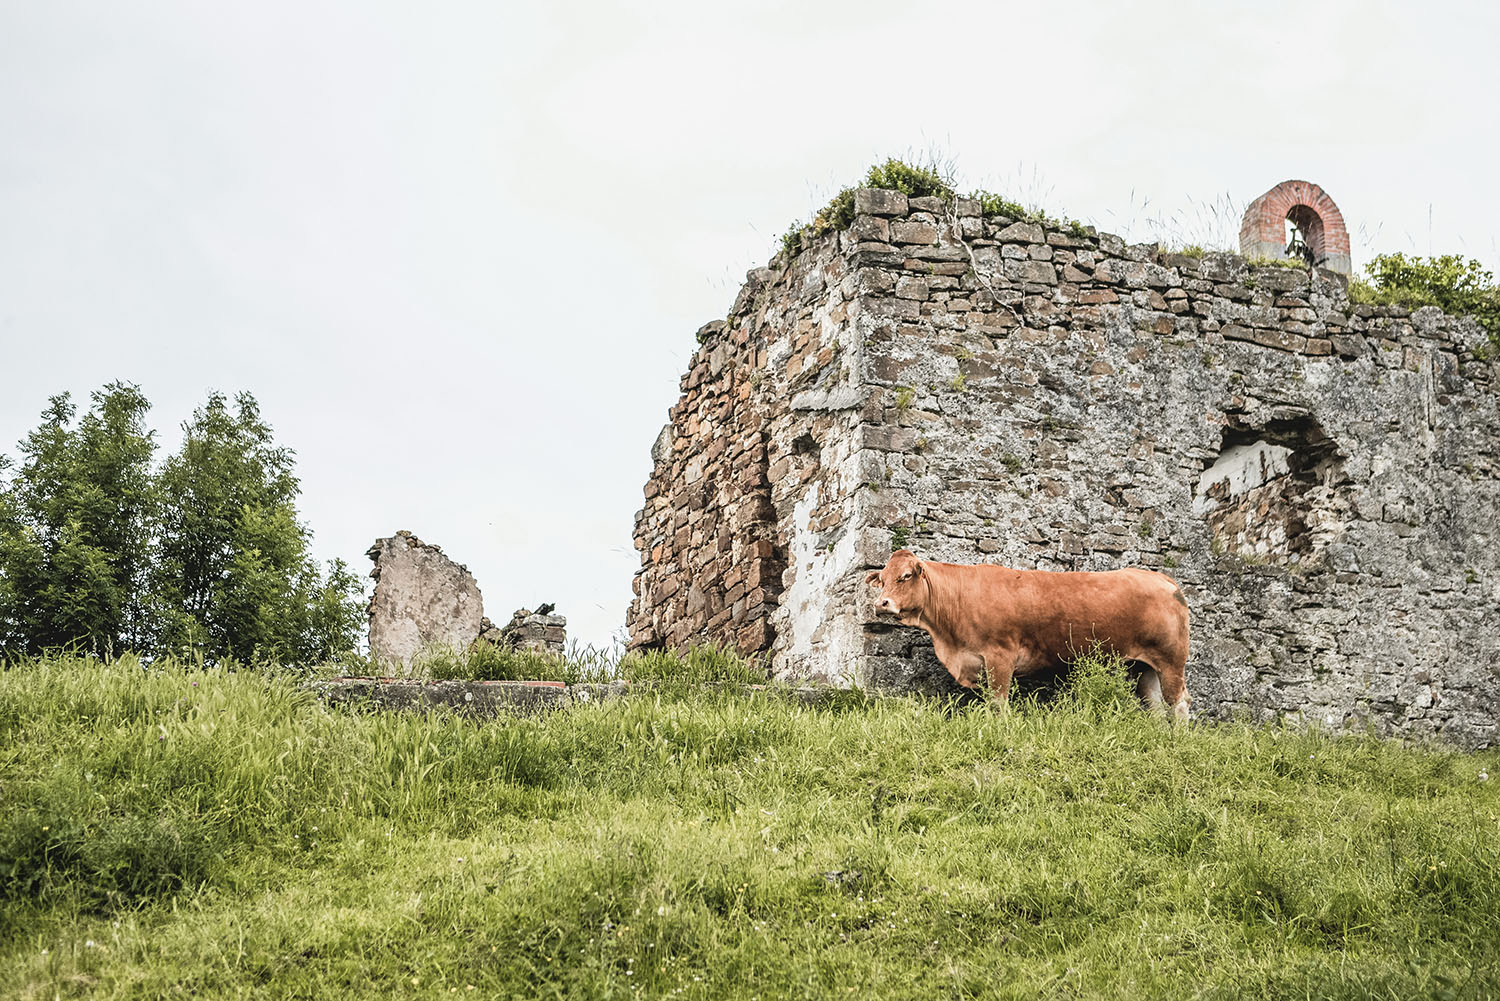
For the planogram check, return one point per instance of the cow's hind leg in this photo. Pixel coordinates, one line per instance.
(1174, 690)
(1148, 688)
(1161, 687)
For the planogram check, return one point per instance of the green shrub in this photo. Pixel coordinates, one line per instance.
(1449, 282)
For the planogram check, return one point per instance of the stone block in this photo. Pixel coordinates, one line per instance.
(1021, 232)
(879, 202)
(913, 232)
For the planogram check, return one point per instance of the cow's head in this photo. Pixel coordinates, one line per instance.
(902, 587)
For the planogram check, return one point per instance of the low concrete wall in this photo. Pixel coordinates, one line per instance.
(518, 698)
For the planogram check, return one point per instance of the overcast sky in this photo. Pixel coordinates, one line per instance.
(458, 250)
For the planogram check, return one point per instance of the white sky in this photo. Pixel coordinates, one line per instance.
(459, 250)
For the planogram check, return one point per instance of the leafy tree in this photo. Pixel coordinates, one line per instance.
(234, 579)
(76, 528)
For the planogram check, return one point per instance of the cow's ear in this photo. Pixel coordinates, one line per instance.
(916, 570)
(873, 577)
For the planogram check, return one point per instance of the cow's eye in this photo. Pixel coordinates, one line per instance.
(904, 576)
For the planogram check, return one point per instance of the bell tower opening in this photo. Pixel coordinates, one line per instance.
(1296, 220)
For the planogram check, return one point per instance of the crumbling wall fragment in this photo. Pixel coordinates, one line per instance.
(540, 630)
(422, 601)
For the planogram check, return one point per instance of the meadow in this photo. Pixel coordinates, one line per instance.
(173, 832)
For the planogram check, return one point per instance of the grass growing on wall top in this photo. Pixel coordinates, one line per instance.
(894, 175)
(213, 834)
(915, 181)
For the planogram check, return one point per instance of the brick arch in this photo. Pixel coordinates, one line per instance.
(1263, 229)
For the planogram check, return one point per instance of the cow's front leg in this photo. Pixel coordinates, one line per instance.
(999, 668)
(966, 666)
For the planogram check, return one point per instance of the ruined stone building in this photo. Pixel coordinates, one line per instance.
(1321, 477)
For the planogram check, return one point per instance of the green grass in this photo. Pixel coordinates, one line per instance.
(1276, 262)
(173, 833)
(484, 661)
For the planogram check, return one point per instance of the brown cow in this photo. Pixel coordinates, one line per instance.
(1010, 622)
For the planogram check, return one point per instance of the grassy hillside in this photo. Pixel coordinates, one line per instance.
(172, 833)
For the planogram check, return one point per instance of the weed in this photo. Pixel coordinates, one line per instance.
(993, 204)
(904, 397)
(1012, 462)
(958, 382)
(914, 181)
(900, 536)
(791, 242)
(1276, 262)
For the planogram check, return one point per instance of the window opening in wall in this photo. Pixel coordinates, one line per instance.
(1275, 493)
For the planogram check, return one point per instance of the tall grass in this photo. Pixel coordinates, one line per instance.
(172, 832)
(484, 661)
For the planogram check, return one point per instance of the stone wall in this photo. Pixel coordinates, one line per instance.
(1324, 480)
(737, 457)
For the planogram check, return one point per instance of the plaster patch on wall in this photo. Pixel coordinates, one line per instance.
(1238, 470)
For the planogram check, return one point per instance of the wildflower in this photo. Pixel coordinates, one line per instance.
(1483, 777)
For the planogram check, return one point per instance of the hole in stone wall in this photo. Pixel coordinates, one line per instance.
(1275, 493)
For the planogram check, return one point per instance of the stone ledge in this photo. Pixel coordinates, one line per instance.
(518, 698)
